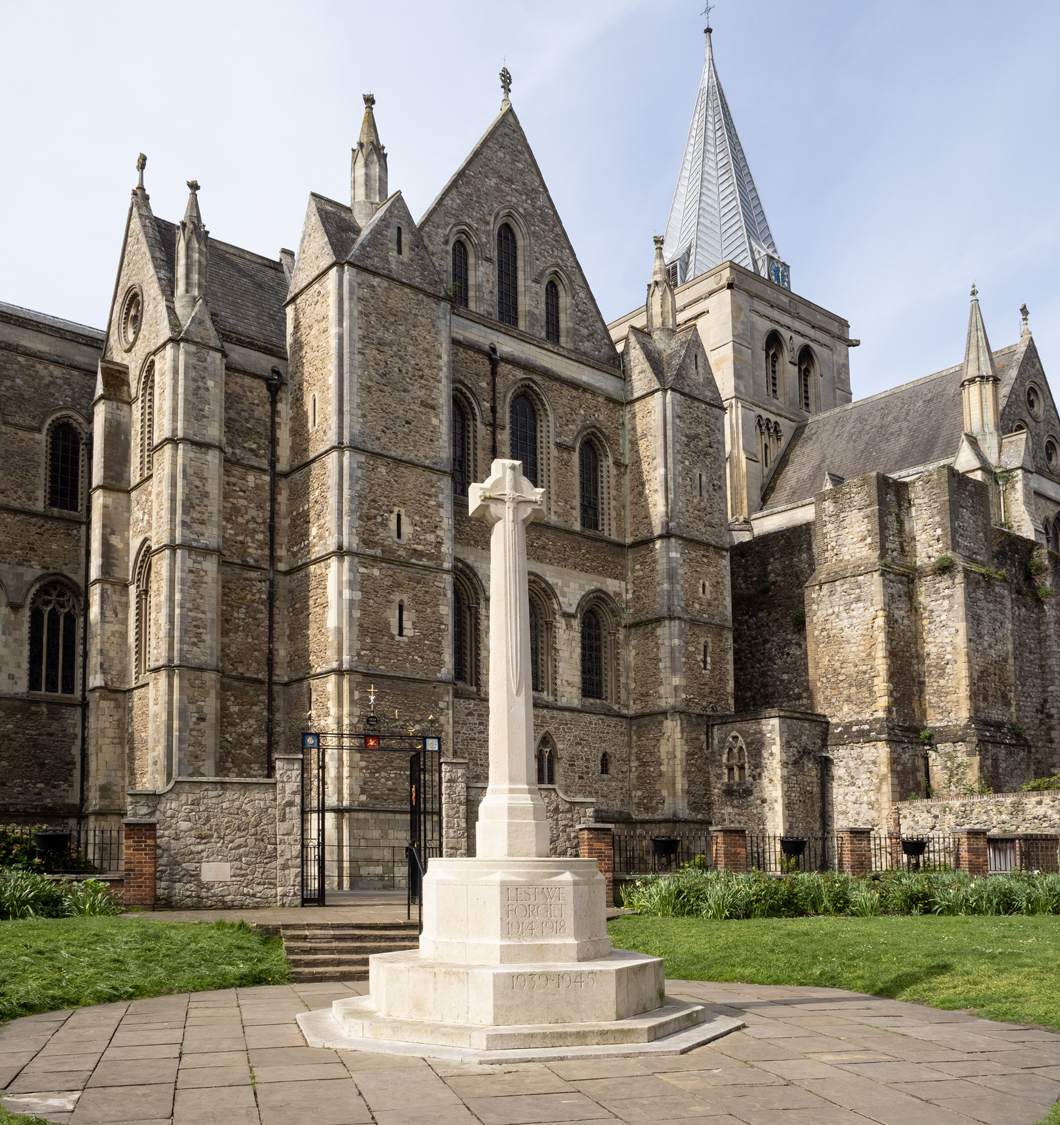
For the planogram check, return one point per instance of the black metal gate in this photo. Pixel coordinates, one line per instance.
(424, 752)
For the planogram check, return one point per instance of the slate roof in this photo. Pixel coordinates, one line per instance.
(245, 292)
(918, 423)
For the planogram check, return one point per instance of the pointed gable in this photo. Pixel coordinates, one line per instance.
(716, 215)
(501, 181)
(328, 235)
(391, 244)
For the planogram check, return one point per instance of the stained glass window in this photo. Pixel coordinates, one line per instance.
(552, 312)
(589, 472)
(65, 465)
(522, 443)
(592, 656)
(53, 641)
(507, 277)
(460, 276)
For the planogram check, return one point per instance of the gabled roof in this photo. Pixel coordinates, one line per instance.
(918, 423)
(245, 291)
(716, 214)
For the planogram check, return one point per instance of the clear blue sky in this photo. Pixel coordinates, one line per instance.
(901, 150)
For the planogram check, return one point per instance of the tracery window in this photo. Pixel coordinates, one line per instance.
(64, 468)
(460, 274)
(522, 442)
(461, 442)
(552, 312)
(546, 763)
(589, 484)
(735, 760)
(147, 420)
(592, 655)
(53, 640)
(507, 277)
(142, 610)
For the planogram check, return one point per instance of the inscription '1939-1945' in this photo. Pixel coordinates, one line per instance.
(536, 912)
(536, 982)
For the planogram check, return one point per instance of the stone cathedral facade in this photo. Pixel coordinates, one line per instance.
(228, 515)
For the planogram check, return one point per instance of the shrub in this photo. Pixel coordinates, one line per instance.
(1036, 567)
(1042, 784)
(17, 849)
(1044, 593)
(942, 564)
(28, 894)
(798, 618)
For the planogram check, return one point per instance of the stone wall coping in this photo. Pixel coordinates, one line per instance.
(1019, 795)
(727, 828)
(715, 719)
(969, 831)
(860, 831)
(202, 781)
(139, 822)
(286, 757)
(455, 761)
(609, 827)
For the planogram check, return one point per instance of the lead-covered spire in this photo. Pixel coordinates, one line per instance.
(716, 214)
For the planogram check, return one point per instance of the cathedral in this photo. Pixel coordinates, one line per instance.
(239, 513)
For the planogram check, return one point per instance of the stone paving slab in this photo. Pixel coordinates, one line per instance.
(806, 1057)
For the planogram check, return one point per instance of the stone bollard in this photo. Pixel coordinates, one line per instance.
(140, 863)
(730, 848)
(969, 850)
(854, 851)
(595, 842)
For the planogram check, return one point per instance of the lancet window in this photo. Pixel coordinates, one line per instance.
(541, 628)
(522, 441)
(142, 610)
(465, 632)
(64, 468)
(460, 274)
(147, 420)
(773, 359)
(589, 484)
(53, 640)
(552, 312)
(461, 448)
(806, 371)
(546, 763)
(592, 655)
(507, 276)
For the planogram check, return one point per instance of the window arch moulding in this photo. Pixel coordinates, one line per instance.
(545, 430)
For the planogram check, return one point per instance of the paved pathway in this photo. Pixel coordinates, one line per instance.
(808, 1056)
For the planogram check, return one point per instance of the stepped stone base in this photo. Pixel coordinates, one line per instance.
(356, 1025)
(410, 986)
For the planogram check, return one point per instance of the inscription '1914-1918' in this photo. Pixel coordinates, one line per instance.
(536, 912)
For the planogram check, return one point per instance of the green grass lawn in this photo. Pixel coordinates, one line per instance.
(1006, 968)
(51, 963)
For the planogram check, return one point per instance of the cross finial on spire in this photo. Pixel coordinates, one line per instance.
(506, 85)
(707, 9)
(369, 100)
(193, 184)
(141, 164)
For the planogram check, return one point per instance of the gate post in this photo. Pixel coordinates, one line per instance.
(141, 860)
(970, 853)
(595, 842)
(854, 848)
(288, 769)
(454, 808)
(730, 848)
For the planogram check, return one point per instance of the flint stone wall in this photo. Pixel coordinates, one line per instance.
(1008, 814)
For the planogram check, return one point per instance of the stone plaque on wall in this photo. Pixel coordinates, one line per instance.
(216, 872)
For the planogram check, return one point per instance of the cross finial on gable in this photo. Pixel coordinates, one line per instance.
(506, 85)
(369, 100)
(193, 184)
(1025, 313)
(141, 164)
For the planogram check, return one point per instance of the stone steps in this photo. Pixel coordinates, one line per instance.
(318, 951)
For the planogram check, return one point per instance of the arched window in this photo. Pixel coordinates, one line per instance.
(507, 277)
(605, 763)
(522, 441)
(773, 347)
(589, 482)
(706, 656)
(806, 368)
(461, 449)
(465, 633)
(735, 760)
(142, 610)
(53, 640)
(762, 429)
(64, 464)
(541, 628)
(147, 420)
(546, 763)
(460, 275)
(1054, 535)
(592, 655)
(552, 312)
(535, 648)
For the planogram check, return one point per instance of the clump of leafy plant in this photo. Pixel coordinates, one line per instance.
(942, 564)
(1044, 593)
(17, 848)
(1035, 567)
(1043, 784)
(798, 618)
(29, 894)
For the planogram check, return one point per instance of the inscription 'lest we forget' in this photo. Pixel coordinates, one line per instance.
(536, 912)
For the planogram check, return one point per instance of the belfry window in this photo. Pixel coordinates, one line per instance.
(460, 274)
(773, 353)
(552, 312)
(53, 641)
(507, 277)
(64, 465)
(461, 460)
(522, 440)
(592, 656)
(589, 483)
(806, 369)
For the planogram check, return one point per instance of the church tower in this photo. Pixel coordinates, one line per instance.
(777, 358)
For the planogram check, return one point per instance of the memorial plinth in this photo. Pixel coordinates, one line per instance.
(514, 961)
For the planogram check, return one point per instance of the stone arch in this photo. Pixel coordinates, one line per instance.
(775, 352)
(545, 430)
(599, 621)
(65, 462)
(605, 474)
(476, 258)
(524, 260)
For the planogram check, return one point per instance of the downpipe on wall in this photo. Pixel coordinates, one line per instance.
(273, 383)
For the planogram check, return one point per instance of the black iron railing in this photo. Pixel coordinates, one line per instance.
(778, 855)
(659, 848)
(59, 850)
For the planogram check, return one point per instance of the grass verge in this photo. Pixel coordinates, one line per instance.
(51, 963)
(1005, 968)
